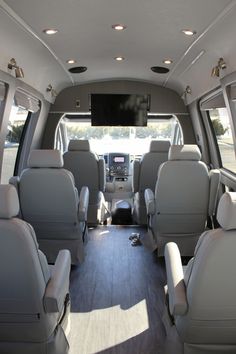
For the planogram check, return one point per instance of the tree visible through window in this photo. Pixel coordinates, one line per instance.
(223, 132)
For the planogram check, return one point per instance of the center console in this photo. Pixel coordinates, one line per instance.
(118, 165)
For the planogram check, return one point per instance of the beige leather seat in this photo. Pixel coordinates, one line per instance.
(34, 299)
(49, 201)
(185, 195)
(145, 175)
(88, 170)
(202, 299)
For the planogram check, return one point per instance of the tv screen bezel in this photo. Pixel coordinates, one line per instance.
(109, 122)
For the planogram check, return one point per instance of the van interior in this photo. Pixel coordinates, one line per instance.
(117, 177)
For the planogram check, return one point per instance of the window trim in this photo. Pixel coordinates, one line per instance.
(21, 143)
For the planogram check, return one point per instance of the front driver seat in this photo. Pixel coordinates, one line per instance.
(202, 298)
(88, 170)
(34, 299)
(145, 175)
(49, 202)
(185, 195)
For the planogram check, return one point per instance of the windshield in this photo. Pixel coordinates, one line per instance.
(132, 140)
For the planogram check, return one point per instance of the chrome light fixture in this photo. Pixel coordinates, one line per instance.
(51, 90)
(221, 65)
(186, 92)
(19, 73)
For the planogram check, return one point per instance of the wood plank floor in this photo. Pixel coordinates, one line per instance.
(117, 296)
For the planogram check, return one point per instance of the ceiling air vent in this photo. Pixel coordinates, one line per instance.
(77, 69)
(160, 69)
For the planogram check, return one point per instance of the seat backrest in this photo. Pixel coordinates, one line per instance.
(47, 191)
(182, 192)
(24, 274)
(210, 281)
(87, 169)
(145, 175)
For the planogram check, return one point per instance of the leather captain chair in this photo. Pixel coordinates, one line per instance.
(49, 201)
(88, 170)
(202, 297)
(185, 195)
(34, 299)
(145, 175)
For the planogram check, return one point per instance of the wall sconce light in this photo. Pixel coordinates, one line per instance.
(51, 90)
(187, 91)
(221, 65)
(13, 65)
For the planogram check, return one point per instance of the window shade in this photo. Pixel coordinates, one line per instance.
(23, 100)
(213, 102)
(2, 91)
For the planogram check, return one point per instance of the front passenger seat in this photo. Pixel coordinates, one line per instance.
(88, 170)
(145, 175)
(34, 299)
(49, 201)
(185, 195)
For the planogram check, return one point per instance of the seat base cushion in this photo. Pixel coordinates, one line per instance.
(56, 344)
(51, 249)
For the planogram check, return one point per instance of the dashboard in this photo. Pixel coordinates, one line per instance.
(119, 172)
(118, 164)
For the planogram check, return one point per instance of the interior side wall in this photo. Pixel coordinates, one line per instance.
(76, 99)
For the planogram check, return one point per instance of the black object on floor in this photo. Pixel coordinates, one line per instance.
(121, 213)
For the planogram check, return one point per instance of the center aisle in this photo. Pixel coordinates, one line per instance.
(117, 296)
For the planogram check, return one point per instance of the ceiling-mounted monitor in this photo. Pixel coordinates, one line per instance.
(119, 109)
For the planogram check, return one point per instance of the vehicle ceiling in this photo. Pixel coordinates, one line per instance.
(153, 33)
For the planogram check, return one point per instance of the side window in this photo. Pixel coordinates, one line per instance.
(22, 108)
(223, 132)
(16, 125)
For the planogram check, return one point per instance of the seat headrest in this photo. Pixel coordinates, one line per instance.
(159, 146)
(226, 213)
(45, 159)
(184, 152)
(9, 202)
(79, 145)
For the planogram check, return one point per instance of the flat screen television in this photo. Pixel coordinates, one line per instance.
(119, 109)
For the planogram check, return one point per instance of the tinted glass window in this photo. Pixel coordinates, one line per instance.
(223, 133)
(16, 124)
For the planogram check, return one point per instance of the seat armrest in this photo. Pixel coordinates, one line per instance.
(149, 201)
(83, 203)
(136, 172)
(15, 181)
(57, 288)
(214, 188)
(175, 280)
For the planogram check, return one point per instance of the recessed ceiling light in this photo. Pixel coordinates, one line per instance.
(188, 32)
(119, 27)
(119, 58)
(50, 31)
(71, 61)
(167, 61)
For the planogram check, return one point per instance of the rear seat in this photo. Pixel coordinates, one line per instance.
(185, 195)
(49, 201)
